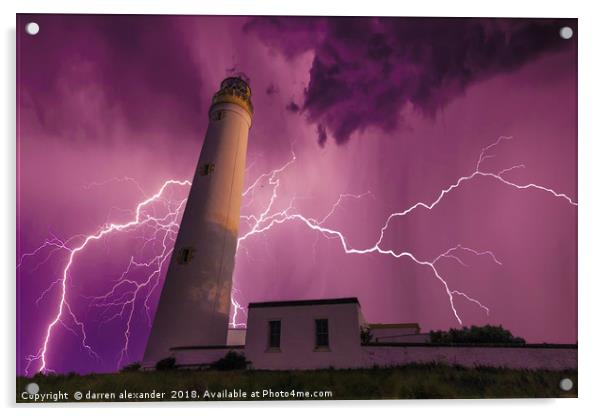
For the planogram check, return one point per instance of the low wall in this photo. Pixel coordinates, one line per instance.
(194, 357)
(549, 357)
(525, 357)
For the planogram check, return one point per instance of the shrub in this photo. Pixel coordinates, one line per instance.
(487, 334)
(231, 361)
(131, 367)
(166, 364)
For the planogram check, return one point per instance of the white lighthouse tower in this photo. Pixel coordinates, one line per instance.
(195, 301)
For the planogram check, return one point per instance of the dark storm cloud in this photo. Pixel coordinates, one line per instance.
(293, 107)
(290, 35)
(322, 136)
(136, 68)
(366, 70)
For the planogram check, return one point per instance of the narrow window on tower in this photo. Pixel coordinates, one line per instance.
(185, 255)
(321, 333)
(218, 115)
(207, 169)
(274, 335)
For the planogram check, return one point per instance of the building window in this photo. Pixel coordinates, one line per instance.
(207, 169)
(218, 115)
(274, 335)
(185, 255)
(321, 333)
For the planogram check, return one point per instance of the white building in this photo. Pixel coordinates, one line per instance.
(302, 334)
(327, 333)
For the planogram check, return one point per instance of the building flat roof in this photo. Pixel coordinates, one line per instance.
(394, 326)
(207, 347)
(307, 302)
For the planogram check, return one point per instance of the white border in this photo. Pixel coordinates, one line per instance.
(590, 209)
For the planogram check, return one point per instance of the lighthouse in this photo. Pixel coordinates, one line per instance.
(194, 306)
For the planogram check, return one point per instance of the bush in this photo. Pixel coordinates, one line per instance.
(131, 367)
(487, 334)
(231, 361)
(166, 364)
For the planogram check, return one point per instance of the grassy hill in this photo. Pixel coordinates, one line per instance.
(407, 382)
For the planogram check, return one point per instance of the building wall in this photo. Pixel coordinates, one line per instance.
(390, 356)
(510, 357)
(297, 339)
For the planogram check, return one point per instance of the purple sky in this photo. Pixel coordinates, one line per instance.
(400, 108)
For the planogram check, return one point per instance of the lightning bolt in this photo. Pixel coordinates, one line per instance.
(267, 221)
(64, 307)
(236, 309)
(122, 297)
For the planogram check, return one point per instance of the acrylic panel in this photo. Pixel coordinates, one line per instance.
(285, 207)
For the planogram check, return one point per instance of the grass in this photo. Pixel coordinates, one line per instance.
(420, 381)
